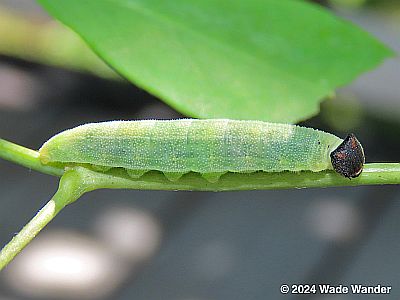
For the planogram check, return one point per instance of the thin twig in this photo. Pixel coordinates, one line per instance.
(71, 188)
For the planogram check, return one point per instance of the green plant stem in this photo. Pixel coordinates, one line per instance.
(75, 181)
(376, 173)
(78, 180)
(71, 188)
(27, 158)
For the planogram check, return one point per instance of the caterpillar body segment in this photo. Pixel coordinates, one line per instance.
(209, 147)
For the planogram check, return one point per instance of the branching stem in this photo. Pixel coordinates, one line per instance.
(71, 188)
(77, 180)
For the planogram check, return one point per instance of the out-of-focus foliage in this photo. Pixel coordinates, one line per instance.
(48, 43)
(344, 114)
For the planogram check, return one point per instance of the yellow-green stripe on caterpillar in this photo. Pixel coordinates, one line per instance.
(209, 147)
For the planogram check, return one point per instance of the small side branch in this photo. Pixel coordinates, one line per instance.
(70, 189)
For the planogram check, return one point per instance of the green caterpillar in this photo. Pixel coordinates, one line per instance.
(209, 147)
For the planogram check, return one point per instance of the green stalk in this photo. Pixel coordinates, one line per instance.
(377, 173)
(70, 189)
(27, 158)
(75, 181)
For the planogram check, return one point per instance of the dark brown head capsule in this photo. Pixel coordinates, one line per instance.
(348, 158)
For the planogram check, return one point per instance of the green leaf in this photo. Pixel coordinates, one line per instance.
(256, 59)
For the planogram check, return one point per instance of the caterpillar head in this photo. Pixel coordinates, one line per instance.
(348, 158)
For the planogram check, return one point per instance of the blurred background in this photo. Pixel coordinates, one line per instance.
(189, 245)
